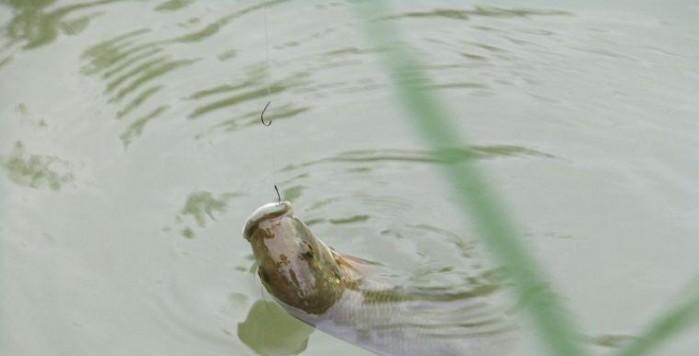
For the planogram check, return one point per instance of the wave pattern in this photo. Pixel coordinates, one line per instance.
(35, 24)
(423, 156)
(136, 65)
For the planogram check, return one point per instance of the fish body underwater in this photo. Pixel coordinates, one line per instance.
(344, 296)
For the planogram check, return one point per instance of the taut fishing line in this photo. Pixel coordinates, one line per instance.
(268, 75)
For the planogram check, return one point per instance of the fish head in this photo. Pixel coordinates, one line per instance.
(295, 267)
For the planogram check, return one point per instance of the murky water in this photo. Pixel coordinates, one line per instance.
(132, 153)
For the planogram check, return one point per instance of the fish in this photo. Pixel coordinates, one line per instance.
(349, 298)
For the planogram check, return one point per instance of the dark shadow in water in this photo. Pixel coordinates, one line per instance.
(36, 26)
(269, 330)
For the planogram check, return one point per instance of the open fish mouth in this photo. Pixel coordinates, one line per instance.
(267, 211)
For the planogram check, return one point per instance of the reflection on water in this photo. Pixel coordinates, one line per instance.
(423, 156)
(253, 88)
(129, 62)
(349, 220)
(269, 330)
(484, 11)
(199, 206)
(136, 127)
(127, 65)
(36, 171)
(35, 25)
(611, 340)
(173, 5)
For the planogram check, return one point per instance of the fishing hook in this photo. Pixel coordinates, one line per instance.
(262, 116)
(279, 197)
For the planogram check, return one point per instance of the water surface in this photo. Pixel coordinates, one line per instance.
(131, 153)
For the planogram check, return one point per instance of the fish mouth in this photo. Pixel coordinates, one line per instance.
(267, 211)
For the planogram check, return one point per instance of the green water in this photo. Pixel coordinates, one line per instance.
(131, 153)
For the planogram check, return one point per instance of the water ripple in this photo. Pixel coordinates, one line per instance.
(131, 63)
(247, 95)
(36, 26)
(173, 5)
(423, 156)
(480, 11)
(135, 129)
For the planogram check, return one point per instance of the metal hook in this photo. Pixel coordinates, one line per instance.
(279, 197)
(262, 115)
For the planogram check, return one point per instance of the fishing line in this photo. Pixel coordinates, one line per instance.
(268, 75)
(268, 68)
(267, 54)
